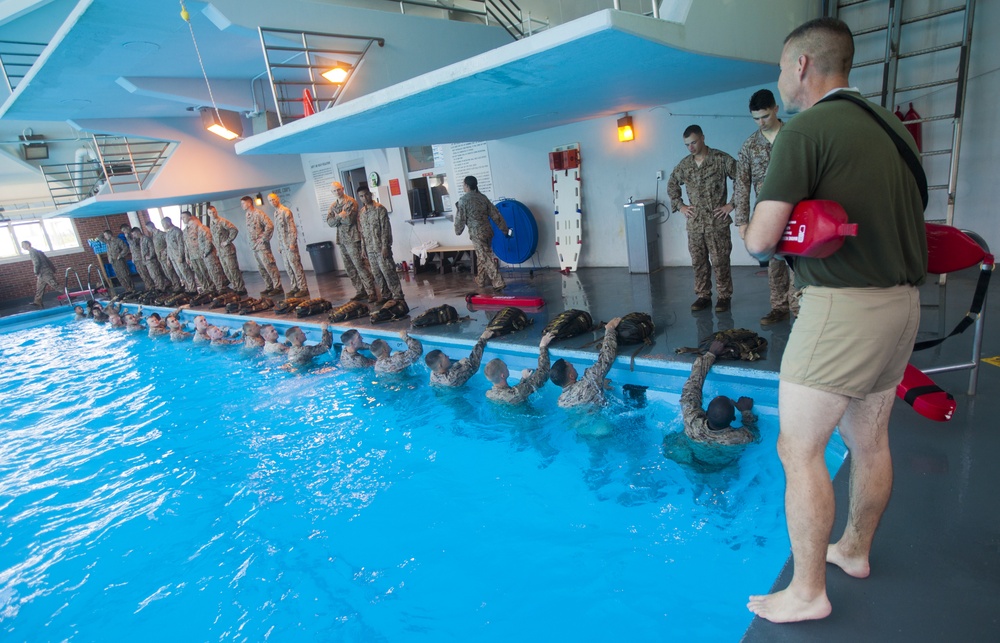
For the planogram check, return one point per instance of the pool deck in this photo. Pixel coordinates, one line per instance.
(936, 557)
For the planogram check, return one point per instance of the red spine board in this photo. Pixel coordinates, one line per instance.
(927, 399)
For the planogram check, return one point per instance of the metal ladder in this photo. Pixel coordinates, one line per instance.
(936, 21)
(69, 297)
(91, 269)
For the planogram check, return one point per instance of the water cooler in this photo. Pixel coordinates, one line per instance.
(642, 233)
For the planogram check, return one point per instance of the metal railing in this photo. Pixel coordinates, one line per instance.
(504, 13)
(123, 164)
(296, 61)
(69, 297)
(16, 60)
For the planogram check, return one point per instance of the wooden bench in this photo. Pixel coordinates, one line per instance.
(448, 255)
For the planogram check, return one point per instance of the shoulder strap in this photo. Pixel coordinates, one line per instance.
(904, 150)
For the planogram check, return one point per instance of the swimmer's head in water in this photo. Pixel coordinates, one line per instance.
(437, 361)
(380, 348)
(562, 373)
(269, 332)
(496, 371)
(721, 413)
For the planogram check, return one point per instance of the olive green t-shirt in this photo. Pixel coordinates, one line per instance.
(837, 151)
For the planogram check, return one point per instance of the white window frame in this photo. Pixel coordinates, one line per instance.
(7, 227)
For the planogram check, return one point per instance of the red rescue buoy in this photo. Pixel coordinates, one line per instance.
(816, 229)
(926, 397)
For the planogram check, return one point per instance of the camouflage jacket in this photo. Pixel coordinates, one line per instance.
(284, 223)
(375, 228)
(355, 360)
(475, 210)
(197, 239)
(117, 249)
(751, 168)
(259, 228)
(223, 230)
(147, 249)
(175, 243)
(39, 262)
(348, 232)
(696, 420)
(460, 372)
(275, 348)
(706, 187)
(589, 389)
(528, 385)
(302, 354)
(398, 361)
(160, 244)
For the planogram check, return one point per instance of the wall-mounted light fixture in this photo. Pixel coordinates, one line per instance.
(259, 199)
(34, 150)
(625, 131)
(222, 122)
(338, 74)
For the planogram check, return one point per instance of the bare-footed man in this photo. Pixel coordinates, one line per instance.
(835, 150)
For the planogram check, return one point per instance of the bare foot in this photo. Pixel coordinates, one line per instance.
(856, 566)
(785, 607)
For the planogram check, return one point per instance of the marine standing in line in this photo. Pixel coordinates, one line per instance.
(704, 173)
(209, 256)
(260, 229)
(45, 272)
(497, 373)
(224, 232)
(590, 389)
(147, 250)
(132, 238)
(388, 362)
(175, 250)
(288, 237)
(475, 211)
(194, 234)
(343, 215)
(117, 253)
(444, 373)
(299, 353)
(377, 234)
(163, 256)
(751, 168)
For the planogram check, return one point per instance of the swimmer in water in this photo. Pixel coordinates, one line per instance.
(444, 373)
(299, 353)
(497, 373)
(251, 335)
(271, 344)
(349, 355)
(388, 362)
(588, 390)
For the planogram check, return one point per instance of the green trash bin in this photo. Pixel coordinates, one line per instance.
(321, 255)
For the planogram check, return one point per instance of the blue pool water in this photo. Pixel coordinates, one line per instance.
(159, 491)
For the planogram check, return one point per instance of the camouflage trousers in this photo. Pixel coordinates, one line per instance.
(486, 265)
(267, 266)
(45, 278)
(140, 267)
(293, 266)
(357, 268)
(122, 274)
(155, 275)
(781, 280)
(184, 273)
(167, 268)
(710, 248)
(215, 272)
(384, 271)
(201, 277)
(230, 265)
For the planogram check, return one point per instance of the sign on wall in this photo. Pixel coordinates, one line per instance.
(473, 159)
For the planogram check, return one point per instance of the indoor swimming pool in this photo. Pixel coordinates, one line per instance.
(172, 491)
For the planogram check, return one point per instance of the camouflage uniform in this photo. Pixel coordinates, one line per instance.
(355, 360)
(275, 348)
(149, 259)
(253, 343)
(475, 211)
(589, 389)
(288, 237)
(163, 257)
(377, 233)
(709, 239)
(696, 420)
(140, 263)
(260, 229)
(175, 248)
(195, 259)
(528, 385)
(302, 354)
(751, 168)
(209, 256)
(398, 361)
(224, 231)
(460, 372)
(45, 271)
(351, 248)
(117, 251)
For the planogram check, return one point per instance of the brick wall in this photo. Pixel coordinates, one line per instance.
(17, 280)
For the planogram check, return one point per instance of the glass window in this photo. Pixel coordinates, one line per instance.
(156, 215)
(33, 232)
(62, 233)
(7, 246)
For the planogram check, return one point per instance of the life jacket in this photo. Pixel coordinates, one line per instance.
(569, 323)
(350, 310)
(508, 320)
(390, 311)
(443, 314)
(307, 307)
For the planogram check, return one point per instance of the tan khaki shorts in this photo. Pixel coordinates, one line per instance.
(852, 341)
